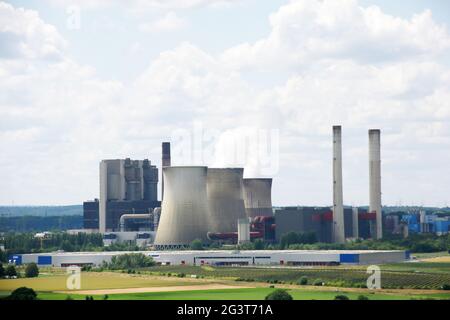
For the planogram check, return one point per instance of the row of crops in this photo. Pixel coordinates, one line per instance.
(352, 277)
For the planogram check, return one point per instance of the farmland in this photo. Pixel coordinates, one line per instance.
(417, 280)
(245, 294)
(408, 276)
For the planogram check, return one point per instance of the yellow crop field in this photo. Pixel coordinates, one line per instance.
(94, 280)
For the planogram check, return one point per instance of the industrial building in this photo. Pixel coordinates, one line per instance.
(319, 220)
(126, 187)
(207, 203)
(223, 257)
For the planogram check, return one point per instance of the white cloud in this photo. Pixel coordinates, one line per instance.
(139, 5)
(306, 31)
(23, 34)
(169, 22)
(341, 64)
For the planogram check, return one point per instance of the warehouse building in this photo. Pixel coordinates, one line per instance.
(223, 257)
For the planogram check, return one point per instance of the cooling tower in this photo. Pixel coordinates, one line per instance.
(184, 208)
(258, 197)
(375, 179)
(225, 200)
(338, 202)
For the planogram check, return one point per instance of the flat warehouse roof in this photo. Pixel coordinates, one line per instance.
(222, 252)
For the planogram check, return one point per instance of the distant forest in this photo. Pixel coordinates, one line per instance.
(40, 223)
(44, 211)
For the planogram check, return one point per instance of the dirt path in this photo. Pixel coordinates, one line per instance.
(436, 259)
(155, 289)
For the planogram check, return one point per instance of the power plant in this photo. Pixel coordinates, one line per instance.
(219, 204)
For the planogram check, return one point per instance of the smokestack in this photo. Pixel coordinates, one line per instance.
(338, 202)
(375, 179)
(165, 163)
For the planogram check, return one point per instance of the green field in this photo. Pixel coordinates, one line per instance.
(253, 282)
(240, 294)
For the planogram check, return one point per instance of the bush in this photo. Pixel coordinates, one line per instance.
(341, 297)
(69, 298)
(22, 293)
(318, 282)
(2, 271)
(361, 297)
(31, 270)
(130, 261)
(105, 297)
(445, 286)
(89, 298)
(11, 271)
(303, 281)
(196, 244)
(279, 294)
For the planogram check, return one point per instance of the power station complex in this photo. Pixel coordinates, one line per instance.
(220, 205)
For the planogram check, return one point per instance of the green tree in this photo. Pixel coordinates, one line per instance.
(31, 270)
(196, 244)
(2, 271)
(258, 244)
(445, 286)
(22, 293)
(303, 281)
(130, 261)
(318, 282)
(361, 297)
(279, 294)
(11, 271)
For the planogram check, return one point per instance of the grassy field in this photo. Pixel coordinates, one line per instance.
(93, 280)
(406, 276)
(241, 294)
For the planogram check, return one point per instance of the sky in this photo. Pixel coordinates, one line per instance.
(249, 83)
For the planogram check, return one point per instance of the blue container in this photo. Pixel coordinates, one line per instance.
(16, 259)
(349, 258)
(44, 260)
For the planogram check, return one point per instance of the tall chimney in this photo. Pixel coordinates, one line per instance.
(165, 163)
(338, 202)
(375, 179)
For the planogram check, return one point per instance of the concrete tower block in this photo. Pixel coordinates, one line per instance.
(375, 179)
(338, 201)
